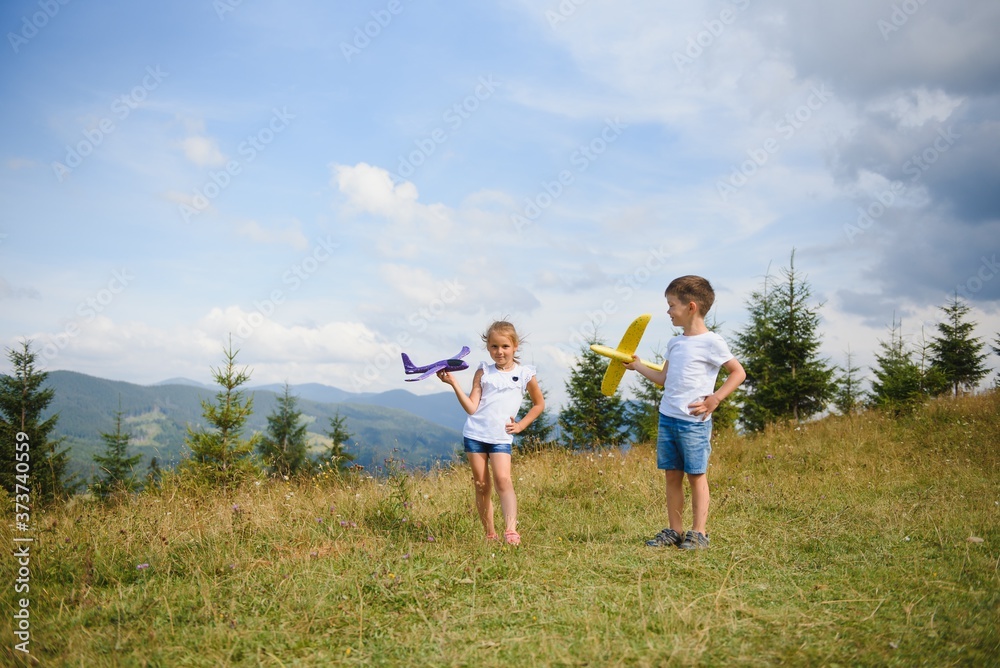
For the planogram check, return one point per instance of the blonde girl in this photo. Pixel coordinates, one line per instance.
(492, 405)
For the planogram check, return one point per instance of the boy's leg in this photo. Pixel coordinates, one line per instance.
(700, 498)
(675, 499)
(484, 494)
(505, 489)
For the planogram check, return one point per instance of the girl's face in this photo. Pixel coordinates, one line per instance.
(501, 349)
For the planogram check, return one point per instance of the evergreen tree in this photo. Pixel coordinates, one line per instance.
(644, 410)
(284, 445)
(117, 466)
(220, 455)
(996, 349)
(22, 402)
(848, 395)
(955, 353)
(339, 436)
(539, 433)
(779, 349)
(154, 474)
(591, 419)
(897, 387)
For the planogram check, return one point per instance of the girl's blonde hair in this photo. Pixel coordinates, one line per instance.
(503, 328)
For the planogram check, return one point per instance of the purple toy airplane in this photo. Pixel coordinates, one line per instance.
(453, 364)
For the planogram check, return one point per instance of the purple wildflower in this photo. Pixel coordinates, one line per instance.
(142, 567)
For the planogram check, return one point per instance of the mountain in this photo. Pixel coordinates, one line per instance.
(158, 417)
(441, 408)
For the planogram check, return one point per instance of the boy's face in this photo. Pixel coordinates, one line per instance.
(681, 314)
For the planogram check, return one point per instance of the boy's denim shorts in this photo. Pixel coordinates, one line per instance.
(682, 445)
(485, 448)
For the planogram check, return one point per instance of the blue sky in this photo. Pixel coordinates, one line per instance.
(332, 183)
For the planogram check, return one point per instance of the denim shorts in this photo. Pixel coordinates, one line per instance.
(682, 445)
(485, 448)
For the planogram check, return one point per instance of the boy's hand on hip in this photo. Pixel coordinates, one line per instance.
(705, 407)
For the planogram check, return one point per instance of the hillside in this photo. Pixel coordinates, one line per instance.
(862, 541)
(157, 417)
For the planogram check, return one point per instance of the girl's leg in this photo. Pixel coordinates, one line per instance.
(675, 499)
(699, 501)
(484, 494)
(505, 489)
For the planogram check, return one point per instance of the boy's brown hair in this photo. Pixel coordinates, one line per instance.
(692, 289)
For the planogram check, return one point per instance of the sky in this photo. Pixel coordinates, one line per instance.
(328, 184)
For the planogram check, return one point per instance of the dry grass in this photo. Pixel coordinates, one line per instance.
(840, 542)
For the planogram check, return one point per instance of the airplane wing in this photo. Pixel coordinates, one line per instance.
(429, 371)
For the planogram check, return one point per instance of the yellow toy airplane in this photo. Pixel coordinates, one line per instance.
(623, 355)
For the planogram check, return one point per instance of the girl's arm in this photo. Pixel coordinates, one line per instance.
(538, 401)
(470, 402)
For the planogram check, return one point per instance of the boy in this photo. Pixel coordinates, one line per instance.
(685, 429)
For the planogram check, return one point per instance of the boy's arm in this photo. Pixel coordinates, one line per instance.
(658, 377)
(736, 377)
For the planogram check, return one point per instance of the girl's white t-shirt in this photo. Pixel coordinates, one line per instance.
(693, 364)
(501, 399)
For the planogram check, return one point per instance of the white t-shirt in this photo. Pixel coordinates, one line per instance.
(693, 364)
(500, 401)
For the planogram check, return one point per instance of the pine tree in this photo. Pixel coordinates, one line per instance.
(956, 354)
(284, 445)
(539, 433)
(221, 456)
(996, 349)
(339, 436)
(591, 420)
(117, 466)
(22, 402)
(644, 409)
(779, 349)
(897, 387)
(848, 395)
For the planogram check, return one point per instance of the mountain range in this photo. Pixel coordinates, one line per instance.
(420, 430)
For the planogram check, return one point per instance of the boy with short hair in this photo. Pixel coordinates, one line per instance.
(688, 378)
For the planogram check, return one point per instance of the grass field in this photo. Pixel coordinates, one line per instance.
(849, 541)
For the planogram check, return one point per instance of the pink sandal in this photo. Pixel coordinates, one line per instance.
(512, 537)
(492, 536)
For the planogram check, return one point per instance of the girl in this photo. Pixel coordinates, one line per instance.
(497, 390)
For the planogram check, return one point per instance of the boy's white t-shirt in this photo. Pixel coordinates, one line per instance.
(501, 399)
(693, 364)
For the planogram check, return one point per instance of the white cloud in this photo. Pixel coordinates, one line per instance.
(289, 234)
(203, 151)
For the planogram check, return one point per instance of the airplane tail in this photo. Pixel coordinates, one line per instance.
(408, 366)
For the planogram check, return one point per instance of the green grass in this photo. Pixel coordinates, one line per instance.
(845, 541)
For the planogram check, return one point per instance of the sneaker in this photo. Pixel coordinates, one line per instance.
(666, 538)
(694, 540)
